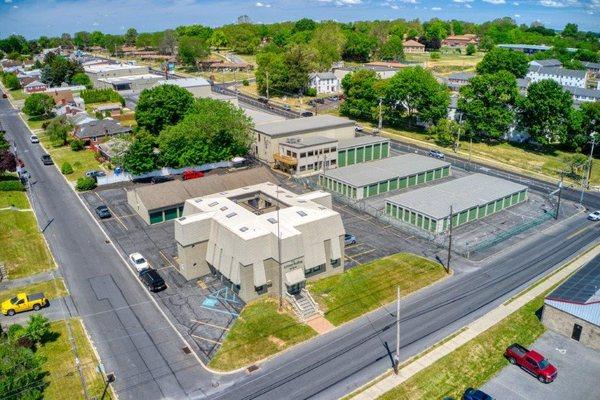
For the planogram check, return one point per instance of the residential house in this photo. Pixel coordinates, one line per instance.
(457, 80)
(10, 64)
(111, 109)
(592, 68)
(459, 41)
(60, 97)
(525, 48)
(69, 111)
(563, 76)
(79, 118)
(97, 131)
(26, 80)
(551, 62)
(324, 82)
(412, 47)
(35, 87)
(583, 95)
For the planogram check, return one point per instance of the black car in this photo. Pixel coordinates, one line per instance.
(160, 179)
(474, 394)
(46, 159)
(306, 114)
(153, 280)
(436, 154)
(103, 212)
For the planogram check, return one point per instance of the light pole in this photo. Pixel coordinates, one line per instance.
(585, 182)
(449, 242)
(560, 184)
(397, 363)
(110, 378)
(380, 122)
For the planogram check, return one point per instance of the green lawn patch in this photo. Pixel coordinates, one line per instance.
(18, 94)
(474, 363)
(22, 247)
(81, 161)
(16, 199)
(63, 378)
(260, 331)
(52, 289)
(366, 287)
(36, 122)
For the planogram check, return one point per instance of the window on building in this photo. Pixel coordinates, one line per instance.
(333, 162)
(289, 153)
(302, 168)
(295, 155)
(335, 263)
(311, 153)
(333, 149)
(301, 213)
(302, 155)
(326, 151)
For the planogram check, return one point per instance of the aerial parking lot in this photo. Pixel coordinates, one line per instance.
(578, 372)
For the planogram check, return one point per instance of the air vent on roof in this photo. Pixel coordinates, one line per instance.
(301, 201)
(288, 196)
(245, 188)
(214, 203)
(231, 215)
(198, 200)
(182, 219)
(243, 228)
(301, 213)
(222, 192)
(280, 191)
(322, 208)
(223, 208)
(272, 220)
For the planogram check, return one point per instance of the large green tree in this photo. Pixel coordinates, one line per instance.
(500, 59)
(192, 49)
(140, 157)
(393, 49)
(11, 81)
(212, 131)
(583, 122)
(359, 46)
(161, 106)
(545, 112)
(286, 73)
(488, 104)
(328, 40)
(59, 70)
(414, 92)
(38, 105)
(58, 131)
(361, 95)
(82, 79)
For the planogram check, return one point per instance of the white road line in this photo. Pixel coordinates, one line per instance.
(206, 323)
(203, 338)
(111, 210)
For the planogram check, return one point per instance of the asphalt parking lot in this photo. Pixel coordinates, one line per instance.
(202, 309)
(578, 373)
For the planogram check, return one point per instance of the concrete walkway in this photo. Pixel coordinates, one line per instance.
(59, 308)
(41, 277)
(472, 330)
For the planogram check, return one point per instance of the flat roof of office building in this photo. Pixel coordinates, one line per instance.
(462, 194)
(301, 143)
(364, 174)
(360, 141)
(302, 125)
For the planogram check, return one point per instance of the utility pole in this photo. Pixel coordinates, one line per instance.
(267, 74)
(397, 363)
(470, 146)
(279, 252)
(380, 122)
(449, 242)
(560, 184)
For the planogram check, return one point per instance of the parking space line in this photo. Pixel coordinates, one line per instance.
(219, 311)
(111, 211)
(364, 252)
(203, 338)
(165, 257)
(206, 323)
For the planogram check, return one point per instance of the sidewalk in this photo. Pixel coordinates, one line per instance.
(41, 277)
(472, 330)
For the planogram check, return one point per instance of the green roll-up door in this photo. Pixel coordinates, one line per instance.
(462, 217)
(489, 209)
(156, 217)
(385, 150)
(372, 190)
(445, 171)
(394, 184)
(419, 220)
(376, 152)
(438, 173)
(480, 211)
(412, 180)
(351, 156)
(360, 154)
(433, 225)
(403, 183)
(342, 158)
(388, 208)
(521, 196)
(455, 220)
(383, 187)
(429, 176)
(413, 218)
(368, 153)
(472, 214)
(421, 178)
(498, 205)
(170, 214)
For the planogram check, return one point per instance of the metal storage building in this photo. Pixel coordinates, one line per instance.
(369, 179)
(362, 149)
(471, 197)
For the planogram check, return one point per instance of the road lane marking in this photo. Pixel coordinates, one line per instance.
(206, 323)
(579, 232)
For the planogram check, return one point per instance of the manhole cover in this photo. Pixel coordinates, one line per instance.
(252, 368)
(186, 350)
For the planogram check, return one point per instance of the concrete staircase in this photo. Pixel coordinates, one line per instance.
(304, 305)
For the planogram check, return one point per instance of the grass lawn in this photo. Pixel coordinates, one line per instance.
(63, 378)
(52, 289)
(22, 247)
(366, 287)
(260, 331)
(279, 98)
(18, 94)
(36, 122)
(474, 363)
(14, 199)
(81, 161)
(511, 154)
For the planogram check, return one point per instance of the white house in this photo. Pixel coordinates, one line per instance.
(582, 95)
(564, 77)
(324, 82)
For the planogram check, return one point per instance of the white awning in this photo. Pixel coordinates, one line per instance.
(336, 252)
(294, 276)
(260, 277)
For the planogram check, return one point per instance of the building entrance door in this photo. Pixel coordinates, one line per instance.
(295, 288)
(576, 335)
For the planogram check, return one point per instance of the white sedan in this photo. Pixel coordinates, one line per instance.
(34, 139)
(139, 262)
(595, 216)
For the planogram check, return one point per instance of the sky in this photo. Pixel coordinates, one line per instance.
(33, 18)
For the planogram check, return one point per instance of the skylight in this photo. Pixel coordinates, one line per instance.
(272, 220)
(214, 203)
(301, 213)
(243, 228)
(233, 214)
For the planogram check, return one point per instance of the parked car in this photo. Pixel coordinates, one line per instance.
(191, 174)
(46, 159)
(594, 216)
(475, 394)
(94, 174)
(306, 114)
(34, 139)
(139, 262)
(160, 179)
(349, 239)
(436, 154)
(24, 302)
(287, 107)
(152, 279)
(532, 362)
(358, 128)
(4, 96)
(103, 212)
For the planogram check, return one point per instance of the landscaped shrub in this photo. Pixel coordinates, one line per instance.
(311, 92)
(11, 186)
(101, 96)
(77, 145)
(245, 82)
(85, 183)
(435, 55)
(66, 168)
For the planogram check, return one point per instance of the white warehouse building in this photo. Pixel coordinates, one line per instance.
(564, 77)
(235, 235)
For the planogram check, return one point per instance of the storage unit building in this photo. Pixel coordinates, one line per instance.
(369, 179)
(472, 197)
(362, 149)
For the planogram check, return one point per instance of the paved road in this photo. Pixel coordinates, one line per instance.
(136, 342)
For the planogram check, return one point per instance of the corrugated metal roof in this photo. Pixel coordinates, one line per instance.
(573, 73)
(360, 141)
(301, 125)
(586, 312)
(462, 194)
(368, 173)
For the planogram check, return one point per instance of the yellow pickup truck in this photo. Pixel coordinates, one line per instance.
(24, 302)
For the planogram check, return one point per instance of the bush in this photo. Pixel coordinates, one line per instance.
(66, 168)
(11, 186)
(101, 96)
(85, 183)
(471, 49)
(77, 144)
(312, 92)
(38, 104)
(11, 81)
(245, 82)
(435, 55)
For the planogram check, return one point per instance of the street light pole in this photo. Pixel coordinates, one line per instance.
(585, 181)
(560, 184)
(380, 122)
(449, 242)
(267, 74)
(397, 363)
(110, 378)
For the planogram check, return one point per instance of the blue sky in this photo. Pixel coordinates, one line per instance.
(33, 18)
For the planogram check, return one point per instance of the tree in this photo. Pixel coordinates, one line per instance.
(500, 59)
(488, 105)
(140, 156)
(577, 163)
(21, 371)
(545, 112)
(37, 328)
(81, 39)
(82, 79)
(305, 24)
(471, 49)
(434, 32)
(59, 70)
(571, 30)
(168, 43)
(359, 47)
(130, 36)
(58, 131)
(11, 82)
(415, 92)
(393, 49)
(218, 39)
(212, 131)
(161, 106)
(4, 145)
(287, 72)
(38, 105)
(8, 161)
(85, 183)
(192, 49)
(361, 96)
(328, 41)
(445, 132)
(583, 122)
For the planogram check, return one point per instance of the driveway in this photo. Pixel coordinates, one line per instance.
(578, 372)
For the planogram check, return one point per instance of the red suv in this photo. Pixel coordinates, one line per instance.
(532, 362)
(191, 174)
